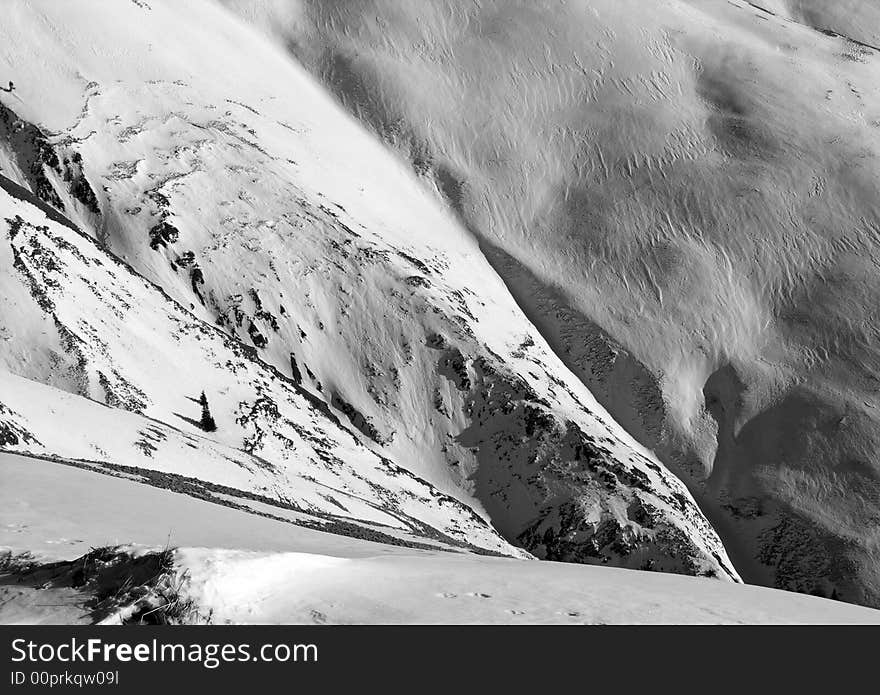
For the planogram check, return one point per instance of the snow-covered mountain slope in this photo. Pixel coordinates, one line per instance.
(243, 568)
(858, 20)
(55, 511)
(361, 359)
(682, 196)
(82, 322)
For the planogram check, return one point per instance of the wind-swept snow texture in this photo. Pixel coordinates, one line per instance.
(683, 197)
(185, 210)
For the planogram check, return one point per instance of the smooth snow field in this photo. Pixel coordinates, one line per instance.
(443, 588)
(243, 568)
(58, 512)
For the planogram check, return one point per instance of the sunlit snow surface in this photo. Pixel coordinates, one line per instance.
(260, 570)
(363, 361)
(682, 196)
(667, 208)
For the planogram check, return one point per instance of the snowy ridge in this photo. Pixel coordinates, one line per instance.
(359, 355)
(682, 197)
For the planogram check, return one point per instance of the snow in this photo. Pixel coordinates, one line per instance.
(589, 234)
(672, 191)
(243, 587)
(242, 568)
(143, 336)
(299, 234)
(55, 512)
(58, 512)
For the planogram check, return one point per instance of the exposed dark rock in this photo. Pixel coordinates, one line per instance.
(295, 374)
(32, 152)
(360, 421)
(162, 234)
(417, 281)
(454, 367)
(257, 338)
(79, 185)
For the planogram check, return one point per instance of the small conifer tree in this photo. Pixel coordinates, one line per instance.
(207, 422)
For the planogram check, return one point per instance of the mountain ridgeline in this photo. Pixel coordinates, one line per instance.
(217, 282)
(590, 282)
(682, 199)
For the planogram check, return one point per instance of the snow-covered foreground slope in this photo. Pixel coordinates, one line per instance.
(683, 197)
(453, 589)
(227, 228)
(240, 567)
(57, 511)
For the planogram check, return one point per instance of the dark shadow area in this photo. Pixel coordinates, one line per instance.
(191, 421)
